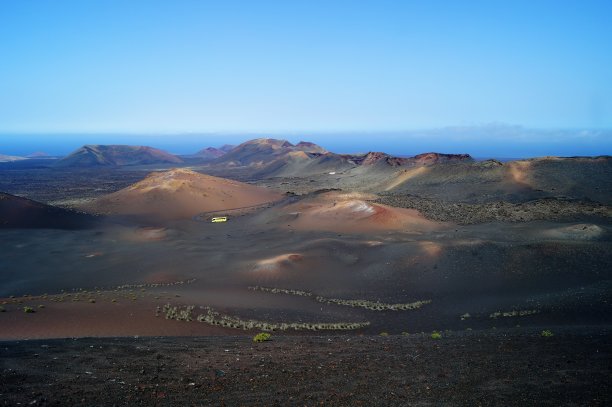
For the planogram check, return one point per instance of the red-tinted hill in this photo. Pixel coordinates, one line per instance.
(262, 151)
(180, 194)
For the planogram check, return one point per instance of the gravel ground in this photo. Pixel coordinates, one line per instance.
(515, 367)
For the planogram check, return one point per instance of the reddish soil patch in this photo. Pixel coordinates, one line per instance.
(349, 213)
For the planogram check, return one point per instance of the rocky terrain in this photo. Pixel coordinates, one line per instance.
(502, 368)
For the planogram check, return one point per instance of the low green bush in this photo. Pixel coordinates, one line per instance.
(262, 337)
(384, 334)
(28, 310)
(547, 333)
(436, 335)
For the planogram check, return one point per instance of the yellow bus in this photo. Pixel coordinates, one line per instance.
(219, 219)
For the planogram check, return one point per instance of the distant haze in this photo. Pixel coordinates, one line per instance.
(497, 141)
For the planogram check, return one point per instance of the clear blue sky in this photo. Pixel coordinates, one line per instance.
(171, 67)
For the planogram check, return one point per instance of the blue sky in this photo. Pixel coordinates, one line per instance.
(303, 67)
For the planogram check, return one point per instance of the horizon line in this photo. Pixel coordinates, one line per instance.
(299, 131)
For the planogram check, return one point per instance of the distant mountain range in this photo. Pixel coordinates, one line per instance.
(456, 176)
(306, 167)
(272, 157)
(266, 156)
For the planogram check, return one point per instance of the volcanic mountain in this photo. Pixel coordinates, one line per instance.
(18, 212)
(210, 153)
(180, 194)
(116, 155)
(262, 151)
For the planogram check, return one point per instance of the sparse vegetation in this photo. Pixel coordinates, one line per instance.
(384, 334)
(436, 335)
(178, 314)
(262, 337)
(281, 291)
(143, 286)
(28, 310)
(370, 305)
(374, 305)
(547, 333)
(514, 313)
(213, 317)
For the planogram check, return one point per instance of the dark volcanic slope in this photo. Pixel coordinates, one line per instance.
(17, 212)
(495, 368)
(116, 155)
